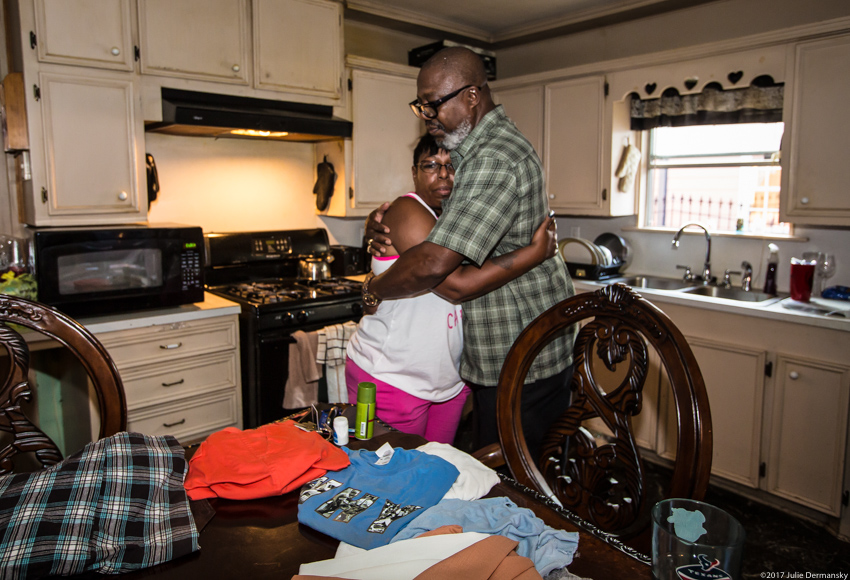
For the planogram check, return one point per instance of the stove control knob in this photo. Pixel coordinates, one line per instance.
(302, 317)
(287, 318)
(357, 309)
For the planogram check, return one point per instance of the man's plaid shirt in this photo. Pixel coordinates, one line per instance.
(497, 202)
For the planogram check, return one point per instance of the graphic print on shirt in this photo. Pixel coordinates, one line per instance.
(349, 508)
(390, 513)
(343, 501)
(317, 486)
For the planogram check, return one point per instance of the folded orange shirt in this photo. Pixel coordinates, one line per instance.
(269, 460)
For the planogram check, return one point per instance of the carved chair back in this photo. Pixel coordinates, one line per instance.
(602, 478)
(18, 434)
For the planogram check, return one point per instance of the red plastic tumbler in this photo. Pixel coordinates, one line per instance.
(802, 276)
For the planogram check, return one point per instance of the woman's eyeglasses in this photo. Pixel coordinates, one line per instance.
(434, 167)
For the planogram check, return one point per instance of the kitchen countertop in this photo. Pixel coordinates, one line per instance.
(772, 310)
(212, 306)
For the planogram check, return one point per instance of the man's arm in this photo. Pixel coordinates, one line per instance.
(419, 268)
(469, 281)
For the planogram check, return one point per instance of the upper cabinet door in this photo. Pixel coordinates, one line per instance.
(92, 33)
(298, 47)
(197, 39)
(814, 164)
(574, 150)
(92, 153)
(524, 106)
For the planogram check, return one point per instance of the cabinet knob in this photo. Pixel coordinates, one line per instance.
(122, 196)
(794, 375)
(115, 51)
(551, 196)
(804, 200)
(236, 68)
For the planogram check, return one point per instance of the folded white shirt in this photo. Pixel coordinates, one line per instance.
(475, 479)
(402, 560)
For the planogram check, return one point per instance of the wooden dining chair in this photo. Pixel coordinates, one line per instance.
(602, 477)
(18, 434)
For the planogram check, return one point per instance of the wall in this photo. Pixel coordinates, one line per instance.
(227, 185)
(381, 43)
(711, 22)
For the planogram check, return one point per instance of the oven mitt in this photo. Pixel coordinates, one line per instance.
(324, 188)
(627, 169)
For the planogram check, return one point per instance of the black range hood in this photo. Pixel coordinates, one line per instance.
(196, 114)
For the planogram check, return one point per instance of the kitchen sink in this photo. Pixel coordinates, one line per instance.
(652, 282)
(729, 293)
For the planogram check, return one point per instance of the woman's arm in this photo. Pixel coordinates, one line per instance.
(469, 281)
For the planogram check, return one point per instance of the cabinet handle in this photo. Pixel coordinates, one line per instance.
(180, 382)
(122, 196)
(170, 346)
(180, 422)
(236, 68)
(794, 375)
(115, 51)
(804, 200)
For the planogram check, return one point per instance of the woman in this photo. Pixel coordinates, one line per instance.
(411, 348)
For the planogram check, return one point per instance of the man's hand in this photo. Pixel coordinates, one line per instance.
(377, 241)
(545, 238)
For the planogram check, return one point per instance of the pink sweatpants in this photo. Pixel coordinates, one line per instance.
(434, 421)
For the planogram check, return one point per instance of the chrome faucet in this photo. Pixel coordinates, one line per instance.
(706, 270)
(747, 278)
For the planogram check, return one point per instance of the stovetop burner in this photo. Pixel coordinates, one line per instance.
(292, 292)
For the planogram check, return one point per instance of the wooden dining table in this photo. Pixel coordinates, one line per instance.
(262, 538)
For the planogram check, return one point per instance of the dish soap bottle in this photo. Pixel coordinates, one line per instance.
(772, 263)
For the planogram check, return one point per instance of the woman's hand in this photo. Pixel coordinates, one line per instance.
(545, 239)
(377, 242)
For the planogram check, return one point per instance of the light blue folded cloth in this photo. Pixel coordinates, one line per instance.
(547, 547)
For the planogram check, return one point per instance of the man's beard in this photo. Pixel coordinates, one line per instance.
(452, 140)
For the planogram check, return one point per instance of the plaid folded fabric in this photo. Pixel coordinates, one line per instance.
(116, 506)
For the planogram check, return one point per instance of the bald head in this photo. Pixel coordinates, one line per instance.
(459, 64)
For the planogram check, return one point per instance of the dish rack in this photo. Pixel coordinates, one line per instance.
(593, 271)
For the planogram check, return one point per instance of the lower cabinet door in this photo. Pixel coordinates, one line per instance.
(806, 464)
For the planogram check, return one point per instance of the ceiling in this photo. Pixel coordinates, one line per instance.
(502, 23)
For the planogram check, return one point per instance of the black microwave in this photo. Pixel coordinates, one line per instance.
(85, 271)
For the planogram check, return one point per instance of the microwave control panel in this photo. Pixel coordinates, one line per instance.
(190, 266)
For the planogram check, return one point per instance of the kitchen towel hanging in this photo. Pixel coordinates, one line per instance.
(628, 167)
(325, 180)
(330, 351)
(302, 385)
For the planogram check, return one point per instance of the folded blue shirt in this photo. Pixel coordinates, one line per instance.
(366, 504)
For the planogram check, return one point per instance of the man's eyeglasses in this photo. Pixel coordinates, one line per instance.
(429, 110)
(434, 167)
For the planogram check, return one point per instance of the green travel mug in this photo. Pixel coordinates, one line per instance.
(365, 418)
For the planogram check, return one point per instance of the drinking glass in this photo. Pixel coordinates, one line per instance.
(826, 269)
(802, 277)
(695, 540)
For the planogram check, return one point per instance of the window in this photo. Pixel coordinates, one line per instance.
(724, 176)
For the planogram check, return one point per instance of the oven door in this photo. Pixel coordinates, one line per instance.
(263, 393)
(118, 273)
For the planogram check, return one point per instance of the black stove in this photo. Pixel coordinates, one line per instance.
(259, 271)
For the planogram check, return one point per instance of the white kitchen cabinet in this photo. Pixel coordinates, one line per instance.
(196, 39)
(575, 151)
(814, 166)
(298, 47)
(181, 378)
(807, 439)
(524, 106)
(95, 33)
(378, 157)
(86, 155)
(734, 380)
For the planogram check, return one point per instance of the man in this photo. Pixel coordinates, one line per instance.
(497, 202)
